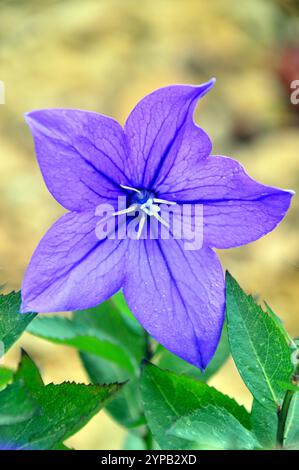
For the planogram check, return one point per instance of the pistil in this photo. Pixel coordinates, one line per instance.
(147, 204)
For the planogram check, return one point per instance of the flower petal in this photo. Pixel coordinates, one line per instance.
(71, 268)
(82, 155)
(236, 209)
(178, 296)
(161, 134)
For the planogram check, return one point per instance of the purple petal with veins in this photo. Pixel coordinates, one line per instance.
(160, 157)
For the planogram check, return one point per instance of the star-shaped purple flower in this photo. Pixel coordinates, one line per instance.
(88, 159)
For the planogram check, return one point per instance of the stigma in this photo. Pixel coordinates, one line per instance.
(147, 204)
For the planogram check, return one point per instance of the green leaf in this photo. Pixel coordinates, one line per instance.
(120, 303)
(61, 446)
(102, 331)
(168, 397)
(62, 330)
(64, 409)
(212, 427)
(278, 321)
(264, 425)
(106, 319)
(126, 407)
(12, 322)
(289, 386)
(109, 321)
(167, 360)
(29, 373)
(134, 442)
(16, 405)
(6, 376)
(258, 346)
(291, 433)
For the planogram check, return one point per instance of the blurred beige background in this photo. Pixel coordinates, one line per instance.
(105, 55)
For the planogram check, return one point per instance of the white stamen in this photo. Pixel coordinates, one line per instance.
(141, 225)
(132, 208)
(162, 221)
(129, 188)
(163, 201)
(150, 207)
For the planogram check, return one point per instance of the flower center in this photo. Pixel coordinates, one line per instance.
(146, 203)
(142, 196)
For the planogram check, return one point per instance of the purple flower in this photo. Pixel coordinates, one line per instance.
(88, 159)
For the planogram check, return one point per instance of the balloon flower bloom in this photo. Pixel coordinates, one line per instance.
(160, 159)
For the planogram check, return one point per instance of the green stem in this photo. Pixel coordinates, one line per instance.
(148, 353)
(148, 439)
(282, 414)
(282, 418)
